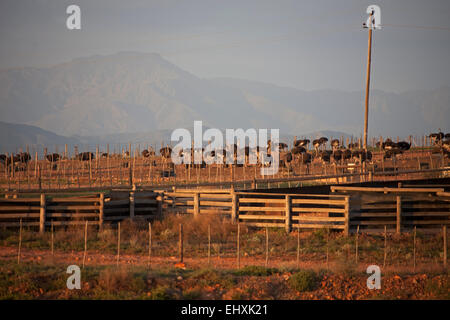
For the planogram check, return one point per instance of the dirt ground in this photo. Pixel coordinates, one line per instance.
(427, 282)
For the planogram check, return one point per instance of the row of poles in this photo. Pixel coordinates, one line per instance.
(145, 172)
(415, 140)
(238, 239)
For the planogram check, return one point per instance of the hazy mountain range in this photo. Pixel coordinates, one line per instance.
(14, 137)
(131, 96)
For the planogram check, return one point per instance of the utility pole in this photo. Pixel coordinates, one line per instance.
(369, 58)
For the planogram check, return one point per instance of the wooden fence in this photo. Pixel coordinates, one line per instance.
(264, 209)
(292, 210)
(45, 209)
(121, 205)
(399, 209)
(62, 209)
(199, 202)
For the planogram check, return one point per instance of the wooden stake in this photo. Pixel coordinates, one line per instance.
(118, 244)
(20, 241)
(414, 250)
(385, 246)
(444, 233)
(328, 234)
(356, 244)
(85, 242)
(209, 244)
(181, 243)
(267, 247)
(238, 247)
(149, 242)
(298, 246)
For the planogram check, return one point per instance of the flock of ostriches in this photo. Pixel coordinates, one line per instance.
(299, 153)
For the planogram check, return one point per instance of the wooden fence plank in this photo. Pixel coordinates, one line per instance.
(261, 217)
(329, 219)
(326, 210)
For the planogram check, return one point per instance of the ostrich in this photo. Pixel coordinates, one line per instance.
(285, 159)
(324, 155)
(388, 144)
(148, 152)
(388, 154)
(337, 155)
(335, 144)
(298, 150)
(53, 157)
(352, 146)
(166, 152)
(301, 143)
(85, 156)
(403, 145)
(305, 158)
(319, 142)
(437, 137)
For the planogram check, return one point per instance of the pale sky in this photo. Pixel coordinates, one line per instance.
(302, 44)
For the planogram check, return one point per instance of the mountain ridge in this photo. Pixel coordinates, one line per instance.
(14, 137)
(143, 92)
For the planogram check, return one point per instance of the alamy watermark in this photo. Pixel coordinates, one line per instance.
(74, 280)
(234, 150)
(374, 281)
(73, 21)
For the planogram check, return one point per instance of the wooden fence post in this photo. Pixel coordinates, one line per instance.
(118, 243)
(234, 207)
(196, 204)
(356, 245)
(181, 243)
(238, 255)
(209, 244)
(132, 204)
(267, 247)
(85, 242)
(42, 214)
(288, 222)
(20, 241)
(444, 231)
(298, 245)
(399, 215)
(414, 250)
(347, 216)
(328, 236)
(385, 246)
(149, 242)
(101, 214)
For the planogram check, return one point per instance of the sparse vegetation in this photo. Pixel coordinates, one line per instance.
(258, 271)
(304, 280)
(42, 276)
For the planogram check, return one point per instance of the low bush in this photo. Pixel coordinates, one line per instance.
(258, 271)
(304, 280)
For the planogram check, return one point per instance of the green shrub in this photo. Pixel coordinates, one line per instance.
(210, 277)
(162, 293)
(258, 271)
(192, 294)
(304, 280)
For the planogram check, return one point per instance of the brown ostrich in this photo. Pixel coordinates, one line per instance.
(53, 157)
